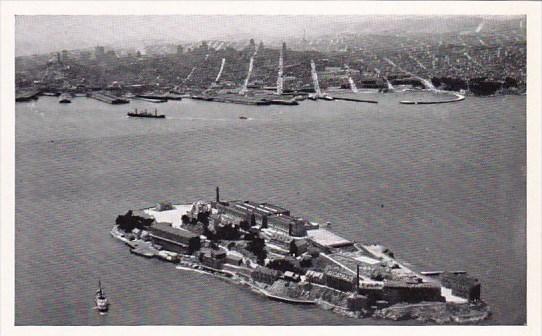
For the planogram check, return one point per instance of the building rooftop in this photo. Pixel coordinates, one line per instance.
(166, 227)
(260, 208)
(327, 238)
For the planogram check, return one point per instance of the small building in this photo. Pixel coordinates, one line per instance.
(340, 280)
(356, 302)
(291, 276)
(462, 285)
(211, 258)
(233, 259)
(315, 277)
(218, 254)
(265, 275)
(164, 206)
(298, 246)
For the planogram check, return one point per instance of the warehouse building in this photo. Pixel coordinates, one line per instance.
(172, 239)
(263, 214)
(400, 291)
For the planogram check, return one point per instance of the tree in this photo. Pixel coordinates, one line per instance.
(257, 246)
(286, 264)
(128, 222)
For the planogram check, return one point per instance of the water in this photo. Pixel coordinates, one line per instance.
(443, 186)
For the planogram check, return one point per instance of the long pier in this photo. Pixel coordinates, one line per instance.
(358, 100)
(107, 98)
(458, 97)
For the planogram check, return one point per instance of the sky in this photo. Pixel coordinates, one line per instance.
(36, 34)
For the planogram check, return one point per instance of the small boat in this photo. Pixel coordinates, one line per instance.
(102, 304)
(243, 118)
(146, 114)
(65, 98)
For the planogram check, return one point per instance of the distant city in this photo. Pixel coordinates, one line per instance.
(487, 59)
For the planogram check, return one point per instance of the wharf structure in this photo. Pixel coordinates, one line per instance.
(108, 98)
(292, 259)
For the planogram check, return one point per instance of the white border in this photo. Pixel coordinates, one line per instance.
(7, 141)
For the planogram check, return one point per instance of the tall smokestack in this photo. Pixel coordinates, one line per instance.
(357, 278)
(290, 229)
(217, 195)
(264, 221)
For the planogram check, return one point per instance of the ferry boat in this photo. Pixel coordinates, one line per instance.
(146, 114)
(65, 98)
(102, 304)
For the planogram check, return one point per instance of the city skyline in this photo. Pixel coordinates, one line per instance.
(135, 31)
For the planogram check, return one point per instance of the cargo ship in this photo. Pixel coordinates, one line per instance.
(146, 114)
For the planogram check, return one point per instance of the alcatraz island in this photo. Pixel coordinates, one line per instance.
(271, 252)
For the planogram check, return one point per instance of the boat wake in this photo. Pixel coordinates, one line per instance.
(102, 313)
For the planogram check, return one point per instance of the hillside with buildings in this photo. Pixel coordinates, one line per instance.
(488, 57)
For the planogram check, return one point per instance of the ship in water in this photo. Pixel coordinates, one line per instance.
(65, 98)
(146, 114)
(102, 304)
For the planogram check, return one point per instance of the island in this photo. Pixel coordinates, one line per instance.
(273, 253)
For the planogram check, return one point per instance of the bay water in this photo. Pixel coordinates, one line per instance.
(443, 186)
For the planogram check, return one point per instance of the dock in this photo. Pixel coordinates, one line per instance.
(351, 96)
(233, 99)
(458, 97)
(108, 98)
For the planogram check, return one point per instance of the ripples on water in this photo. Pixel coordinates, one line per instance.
(443, 186)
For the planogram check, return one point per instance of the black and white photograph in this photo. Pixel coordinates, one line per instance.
(224, 166)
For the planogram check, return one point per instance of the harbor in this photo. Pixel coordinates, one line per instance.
(367, 148)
